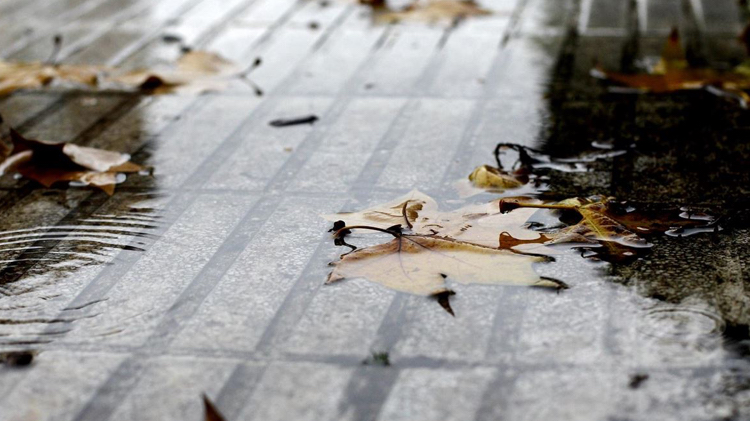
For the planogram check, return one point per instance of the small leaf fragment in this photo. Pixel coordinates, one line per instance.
(284, 122)
(195, 72)
(401, 210)
(443, 298)
(491, 178)
(429, 11)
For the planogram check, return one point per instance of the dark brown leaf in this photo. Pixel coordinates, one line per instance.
(212, 414)
(49, 163)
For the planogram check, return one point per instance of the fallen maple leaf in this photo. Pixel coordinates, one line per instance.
(672, 73)
(49, 163)
(212, 414)
(463, 245)
(15, 76)
(427, 11)
(194, 72)
(419, 264)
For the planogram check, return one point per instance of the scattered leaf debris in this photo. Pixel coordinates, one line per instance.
(194, 72)
(283, 122)
(672, 73)
(489, 243)
(426, 11)
(525, 167)
(212, 414)
(378, 358)
(16, 76)
(636, 380)
(49, 163)
(491, 178)
(606, 222)
(443, 298)
(17, 358)
(462, 246)
(477, 224)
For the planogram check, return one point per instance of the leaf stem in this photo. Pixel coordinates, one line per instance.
(509, 206)
(406, 218)
(366, 227)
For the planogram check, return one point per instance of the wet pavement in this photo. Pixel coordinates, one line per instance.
(208, 277)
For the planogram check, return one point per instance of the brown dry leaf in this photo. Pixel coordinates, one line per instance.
(490, 178)
(15, 76)
(673, 74)
(420, 265)
(403, 210)
(476, 224)
(49, 163)
(597, 225)
(195, 72)
(212, 414)
(430, 11)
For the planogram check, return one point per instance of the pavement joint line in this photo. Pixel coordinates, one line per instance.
(99, 408)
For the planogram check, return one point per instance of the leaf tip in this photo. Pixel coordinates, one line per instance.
(211, 413)
(443, 298)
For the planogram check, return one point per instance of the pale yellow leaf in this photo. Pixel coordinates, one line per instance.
(403, 210)
(490, 178)
(421, 264)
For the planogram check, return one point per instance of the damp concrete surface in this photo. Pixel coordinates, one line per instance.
(208, 276)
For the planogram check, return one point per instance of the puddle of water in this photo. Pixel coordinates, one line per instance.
(680, 324)
(38, 262)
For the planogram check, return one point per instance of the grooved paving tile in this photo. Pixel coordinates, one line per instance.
(300, 391)
(347, 145)
(429, 331)
(331, 66)
(435, 127)
(142, 124)
(257, 283)
(76, 115)
(586, 395)
(190, 26)
(403, 58)
(465, 60)
(17, 109)
(342, 317)
(264, 149)
(265, 12)
(436, 394)
(185, 378)
(176, 155)
(178, 256)
(56, 386)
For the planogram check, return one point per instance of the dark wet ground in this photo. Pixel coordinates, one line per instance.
(208, 276)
